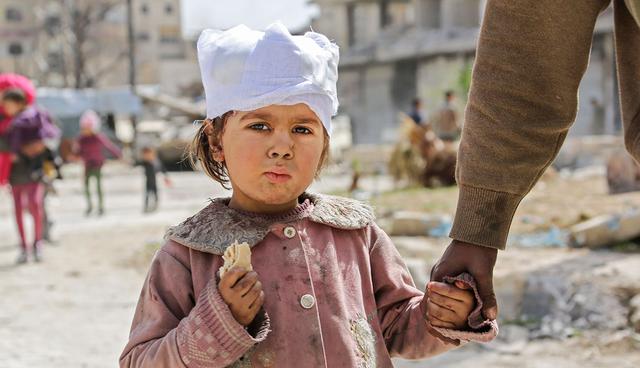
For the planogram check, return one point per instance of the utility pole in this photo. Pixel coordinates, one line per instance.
(132, 68)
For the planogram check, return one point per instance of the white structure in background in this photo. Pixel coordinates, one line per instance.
(395, 50)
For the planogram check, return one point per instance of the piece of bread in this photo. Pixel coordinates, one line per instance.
(236, 255)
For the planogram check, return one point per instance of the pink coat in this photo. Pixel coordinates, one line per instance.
(337, 294)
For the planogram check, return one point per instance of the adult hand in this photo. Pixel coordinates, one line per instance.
(477, 260)
(242, 292)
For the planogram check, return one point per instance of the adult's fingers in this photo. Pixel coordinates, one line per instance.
(488, 296)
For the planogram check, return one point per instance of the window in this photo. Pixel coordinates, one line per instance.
(429, 13)
(169, 34)
(143, 36)
(13, 15)
(15, 49)
(351, 24)
(168, 9)
(54, 61)
(169, 39)
(385, 17)
(144, 9)
(52, 24)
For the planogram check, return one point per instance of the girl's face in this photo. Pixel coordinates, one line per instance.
(12, 108)
(86, 131)
(272, 155)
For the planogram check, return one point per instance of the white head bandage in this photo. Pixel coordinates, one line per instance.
(245, 70)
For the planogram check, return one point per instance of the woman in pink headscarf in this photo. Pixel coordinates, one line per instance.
(11, 81)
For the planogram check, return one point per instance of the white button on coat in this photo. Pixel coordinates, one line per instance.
(307, 301)
(289, 232)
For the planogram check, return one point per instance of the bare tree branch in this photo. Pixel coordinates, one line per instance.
(109, 66)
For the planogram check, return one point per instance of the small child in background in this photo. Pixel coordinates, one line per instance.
(27, 132)
(326, 286)
(152, 166)
(89, 147)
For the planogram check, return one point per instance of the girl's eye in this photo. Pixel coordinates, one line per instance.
(302, 130)
(259, 126)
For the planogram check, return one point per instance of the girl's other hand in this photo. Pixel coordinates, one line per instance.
(449, 306)
(242, 292)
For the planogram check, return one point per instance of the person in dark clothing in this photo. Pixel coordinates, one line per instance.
(152, 166)
(416, 112)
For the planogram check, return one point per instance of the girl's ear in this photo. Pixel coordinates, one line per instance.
(217, 153)
(214, 142)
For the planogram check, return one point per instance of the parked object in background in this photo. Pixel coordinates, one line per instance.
(606, 230)
(623, 173)
(170, 139)
(408, 223)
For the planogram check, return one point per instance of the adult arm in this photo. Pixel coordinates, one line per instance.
(530, 59)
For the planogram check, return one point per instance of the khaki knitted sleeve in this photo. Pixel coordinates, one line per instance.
(530, 58)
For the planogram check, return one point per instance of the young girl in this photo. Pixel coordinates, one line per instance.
(11, 81)
(29, 127)
(328, 288)
(89, 148)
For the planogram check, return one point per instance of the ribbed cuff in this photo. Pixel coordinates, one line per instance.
(212, 334)
(483, 217)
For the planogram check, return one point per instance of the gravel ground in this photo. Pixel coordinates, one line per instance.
(75, 308)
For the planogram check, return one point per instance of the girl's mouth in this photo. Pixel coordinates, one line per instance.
(277, 178)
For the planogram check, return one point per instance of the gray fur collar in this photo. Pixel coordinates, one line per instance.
(217, 226)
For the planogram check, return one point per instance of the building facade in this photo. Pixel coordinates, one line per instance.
(36, 41)
(393, 51)
(17, 35)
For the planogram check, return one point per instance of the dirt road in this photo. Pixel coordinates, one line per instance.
(75, 308)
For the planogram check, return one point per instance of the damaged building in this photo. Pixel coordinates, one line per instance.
(395, 50)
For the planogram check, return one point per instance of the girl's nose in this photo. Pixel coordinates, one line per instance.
(282, 147)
